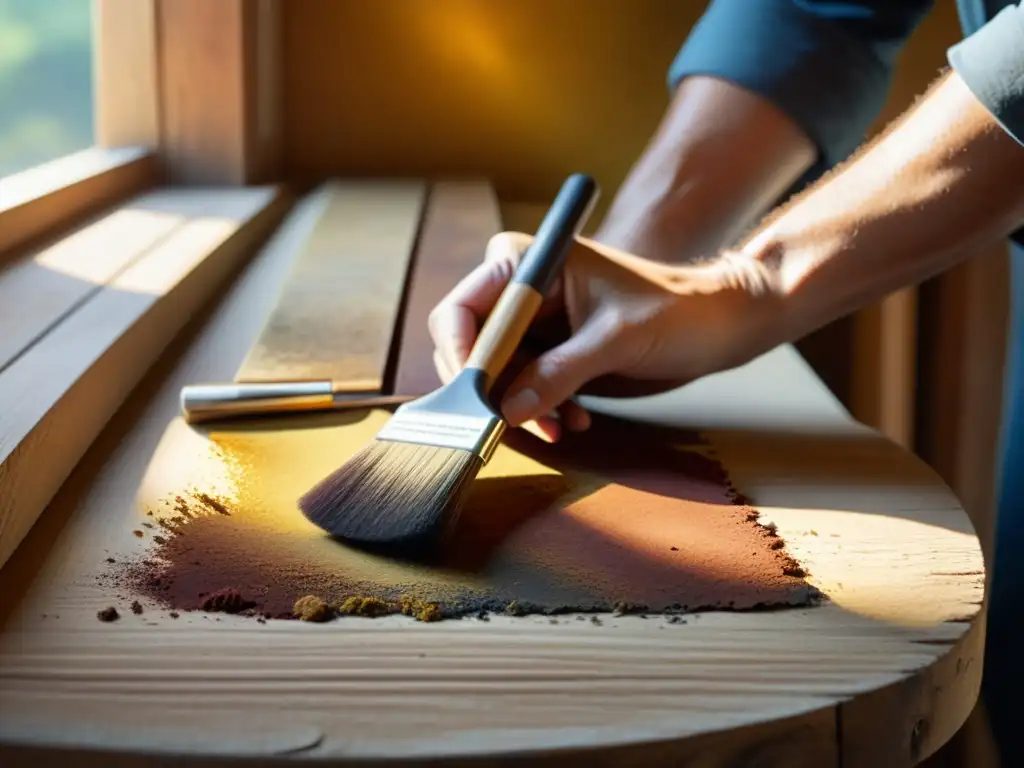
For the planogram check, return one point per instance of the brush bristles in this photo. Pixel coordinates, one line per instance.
(394, 494)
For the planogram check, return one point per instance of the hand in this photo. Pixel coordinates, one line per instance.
(612, 325)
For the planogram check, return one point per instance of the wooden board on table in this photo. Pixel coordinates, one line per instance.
(336, 311)
(62, 389)
(884, 672)
(460, 218)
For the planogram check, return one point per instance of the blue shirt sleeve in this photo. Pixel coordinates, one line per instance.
(991, 63)
(825, 63)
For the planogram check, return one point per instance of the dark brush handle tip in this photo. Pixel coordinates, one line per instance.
(565, 218)
(540, 265)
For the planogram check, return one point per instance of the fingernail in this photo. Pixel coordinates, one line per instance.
(521, 406)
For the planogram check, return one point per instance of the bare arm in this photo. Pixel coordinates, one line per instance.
(942, 182)
(720, 158)
(764, 94)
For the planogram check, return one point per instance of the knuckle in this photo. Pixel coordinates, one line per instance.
(435, 322)
(507, 246)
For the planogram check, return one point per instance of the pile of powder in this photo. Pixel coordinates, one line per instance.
(658, 529)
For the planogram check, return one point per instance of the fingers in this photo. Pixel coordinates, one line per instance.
(444, 371)
(454, 323)
(555, 376)
(507, 246)
(575, 417)
(456, 320)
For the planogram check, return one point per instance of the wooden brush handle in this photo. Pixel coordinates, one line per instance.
(540, 265)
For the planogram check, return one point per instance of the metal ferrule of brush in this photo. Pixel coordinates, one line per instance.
(456, 416)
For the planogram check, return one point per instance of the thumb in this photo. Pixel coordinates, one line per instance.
(557, 375)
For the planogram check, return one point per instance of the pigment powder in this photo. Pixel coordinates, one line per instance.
(624, 517)
(312, 608)
(108, 614)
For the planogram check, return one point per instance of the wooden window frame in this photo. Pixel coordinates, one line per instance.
(155, 119)
(187, 123)
(123, 160)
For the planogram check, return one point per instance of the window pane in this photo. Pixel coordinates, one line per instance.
(46, 90)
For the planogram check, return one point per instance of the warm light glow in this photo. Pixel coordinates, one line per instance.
(32, 183)
(99, 251)
(851, 558)
(605, 534)
(187, 460)
(460, 33)
(168, 262)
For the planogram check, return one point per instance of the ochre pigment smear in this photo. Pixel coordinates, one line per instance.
(625, 517)
(312, 608)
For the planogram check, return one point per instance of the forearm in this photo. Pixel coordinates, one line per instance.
(720, 158)
(941, 183)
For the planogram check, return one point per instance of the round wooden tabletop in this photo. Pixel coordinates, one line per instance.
(883, 672)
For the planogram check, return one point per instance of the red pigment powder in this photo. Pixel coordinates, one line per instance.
(628, 523)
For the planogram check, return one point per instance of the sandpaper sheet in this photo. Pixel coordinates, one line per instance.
(621, 516)
(336, 314)
(461, 216)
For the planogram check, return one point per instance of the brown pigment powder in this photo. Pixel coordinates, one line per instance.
(108, 614)
(622, 517)
(226, 601)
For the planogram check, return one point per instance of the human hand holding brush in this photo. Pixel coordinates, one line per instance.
(405, 488)
(612, 324)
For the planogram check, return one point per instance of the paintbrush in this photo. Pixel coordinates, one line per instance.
(405, 489)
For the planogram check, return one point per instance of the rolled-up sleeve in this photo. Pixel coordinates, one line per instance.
(826, 64)
(991, 64)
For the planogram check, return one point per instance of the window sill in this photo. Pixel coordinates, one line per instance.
(93, 310)
(54, 195)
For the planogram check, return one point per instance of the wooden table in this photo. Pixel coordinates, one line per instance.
(881, 674)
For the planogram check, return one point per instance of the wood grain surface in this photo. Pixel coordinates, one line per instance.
(460, 218)
(881, 674)
(66, 272)
(61, 389)
(126, 73)
(219, 71)
(336, 312)
(48, 198)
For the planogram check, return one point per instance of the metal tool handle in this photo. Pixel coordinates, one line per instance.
(209, 402)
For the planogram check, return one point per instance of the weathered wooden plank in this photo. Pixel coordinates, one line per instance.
(336, 312)
(461, 217)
